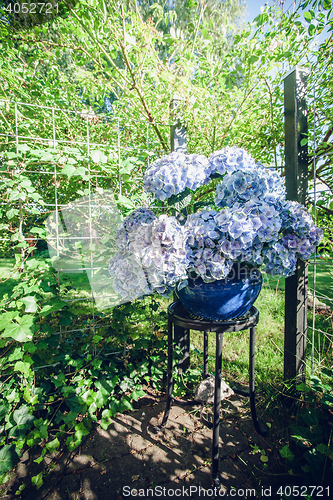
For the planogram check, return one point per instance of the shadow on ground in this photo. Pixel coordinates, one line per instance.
(130, 458)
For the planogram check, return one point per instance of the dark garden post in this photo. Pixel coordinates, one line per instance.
(178, 143)
(296, 165)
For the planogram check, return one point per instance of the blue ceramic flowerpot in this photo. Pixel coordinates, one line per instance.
(225, 299)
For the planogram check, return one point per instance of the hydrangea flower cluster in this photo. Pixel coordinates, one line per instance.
(298, 240)
(228, 160)
(150, 257)
(256, 182)
(216, 240)
(254, 224)
(173, 173)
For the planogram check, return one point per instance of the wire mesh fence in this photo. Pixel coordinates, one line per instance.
(320, 196)
(58, 162)
(69, 155)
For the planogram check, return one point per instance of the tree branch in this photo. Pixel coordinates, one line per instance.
(135, 84)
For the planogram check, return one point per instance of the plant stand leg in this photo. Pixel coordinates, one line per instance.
(217, 407)
(170, 375)
(205, 354)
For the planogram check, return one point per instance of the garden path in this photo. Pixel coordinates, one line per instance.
(128, 458)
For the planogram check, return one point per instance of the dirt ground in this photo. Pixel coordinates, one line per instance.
(131, 460)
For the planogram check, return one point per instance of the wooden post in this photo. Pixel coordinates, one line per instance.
(296, 165)
(178, 129)
(178, 143)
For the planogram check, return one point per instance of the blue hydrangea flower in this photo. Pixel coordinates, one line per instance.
(173, 173)
(230, 159)
(253, 224)
(152, 249)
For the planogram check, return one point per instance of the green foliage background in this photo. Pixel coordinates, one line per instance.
(120, 65)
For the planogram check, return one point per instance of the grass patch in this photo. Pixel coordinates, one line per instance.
(269, 344)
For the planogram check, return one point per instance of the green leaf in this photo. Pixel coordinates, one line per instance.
(327, 371)
(302, 387)
(52, 446)
(5, 319)
(23, 147)
(286, 453)
(22, 367)
(98, 156)
(21, 331)
(323, 449)
(97, 338)
(106, 419)
(24, 422)
(253, 59)
(181, 200)
(311, 29)
(30, 303)
(52, 306)
(80, 431)
(126, 166)
(126, 201)
(68, 170)
(4, 409)
(261, 19)
(8, 458)
(137, 394)
(308, 16)
(39, 230)
(327, 4)
(37, 480)
(11, 155)
(304, 141)
(12, 212)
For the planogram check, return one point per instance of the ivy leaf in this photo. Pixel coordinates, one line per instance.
(5, 319)
(137, 394)
(52, 306)
(37, 480)
(8, 458)
(53, 445)
(68, 170)
(22, 416)
(126, 166)
(16, 354)
(11, 155)
(4, 409)
(286, 453)
(98, 157)
(39, 230)
(106, 419)
(22, 367)
(81, 171)
(23, 147)
(24, 422)
(30, 303)
(21, 331)
(11, 213)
